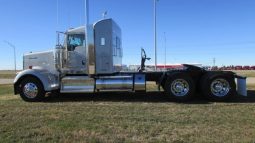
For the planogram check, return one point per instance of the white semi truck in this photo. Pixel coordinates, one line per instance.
(90, 60)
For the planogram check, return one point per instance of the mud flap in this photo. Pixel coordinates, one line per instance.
(241, 85)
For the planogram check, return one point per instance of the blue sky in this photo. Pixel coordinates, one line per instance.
(196, 30)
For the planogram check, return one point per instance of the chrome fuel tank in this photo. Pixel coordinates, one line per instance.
(77, 84)
(109, 83)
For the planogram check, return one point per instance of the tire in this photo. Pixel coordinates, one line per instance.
(218, 87)
(31, 90)
(180, 87)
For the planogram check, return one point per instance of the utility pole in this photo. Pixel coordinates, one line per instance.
(14, 53)
(165, 48)
(214, 62)
(155, 32)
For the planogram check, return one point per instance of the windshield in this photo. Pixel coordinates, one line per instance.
(74, 41)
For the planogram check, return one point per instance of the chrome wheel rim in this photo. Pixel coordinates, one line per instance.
(220, 87)
(30, 90)
(180, 87)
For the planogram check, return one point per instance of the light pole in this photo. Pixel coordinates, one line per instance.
(14, 53)
(155, 32)
(87, 12)
(165, 48)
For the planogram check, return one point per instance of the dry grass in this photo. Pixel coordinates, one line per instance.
(101, 121)
(125, 118)
(7, 74)
(247, 73)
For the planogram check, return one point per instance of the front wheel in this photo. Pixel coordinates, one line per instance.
(31, 90)
(180, 86)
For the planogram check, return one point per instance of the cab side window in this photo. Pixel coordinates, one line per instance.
(74, 41)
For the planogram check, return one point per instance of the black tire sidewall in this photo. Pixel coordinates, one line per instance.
(185, 77)
(206, 87)
(41, 92)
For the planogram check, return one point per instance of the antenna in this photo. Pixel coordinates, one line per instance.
(104, 14)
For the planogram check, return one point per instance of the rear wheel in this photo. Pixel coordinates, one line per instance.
(180, 86)
(218, 87)
(31, 90)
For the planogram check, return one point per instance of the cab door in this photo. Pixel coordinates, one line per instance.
(76, 59)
